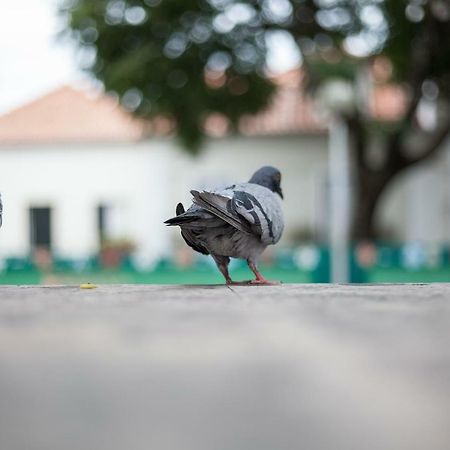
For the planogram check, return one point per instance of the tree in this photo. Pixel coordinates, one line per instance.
(175, 58)
(186, 59)
(413, 40)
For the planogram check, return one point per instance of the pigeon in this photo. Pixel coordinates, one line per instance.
(239, 221)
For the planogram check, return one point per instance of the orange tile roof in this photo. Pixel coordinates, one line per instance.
(74, 116)
(70, 115)
(290, 111)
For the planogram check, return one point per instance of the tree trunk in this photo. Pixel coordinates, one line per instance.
(367, 192)
(368, 183)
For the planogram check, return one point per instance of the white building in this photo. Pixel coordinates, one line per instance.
(75, 167)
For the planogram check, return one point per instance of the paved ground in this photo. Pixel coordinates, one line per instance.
(306, 367)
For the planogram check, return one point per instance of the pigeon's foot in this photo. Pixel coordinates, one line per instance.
(264, 282)
(257, 282)
(238, 283)
(260, 280)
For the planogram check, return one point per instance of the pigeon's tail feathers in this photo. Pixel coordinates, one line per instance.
(195, 218)
(180, 209)
(181, 217)
(219, 206)
(180, 220)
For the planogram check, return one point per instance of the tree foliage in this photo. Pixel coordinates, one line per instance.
(183, 59)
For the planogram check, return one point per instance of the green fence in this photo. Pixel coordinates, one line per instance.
(310, 263)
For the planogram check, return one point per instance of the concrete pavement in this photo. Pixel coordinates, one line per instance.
(216, 368)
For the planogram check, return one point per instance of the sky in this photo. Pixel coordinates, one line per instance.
(33, 61)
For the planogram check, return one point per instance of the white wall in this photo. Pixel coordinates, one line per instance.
(417, 205)
(144, 181)
(74, 180)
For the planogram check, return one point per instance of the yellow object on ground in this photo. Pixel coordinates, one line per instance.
(87, 286)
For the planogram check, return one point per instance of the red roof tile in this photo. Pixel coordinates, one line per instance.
(291, 111)
(70, 115)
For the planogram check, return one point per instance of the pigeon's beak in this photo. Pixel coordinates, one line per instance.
(279, 191)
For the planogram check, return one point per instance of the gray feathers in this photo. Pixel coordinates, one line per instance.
(252, 209)
(180, 209)
(239, 221)
(220, 206)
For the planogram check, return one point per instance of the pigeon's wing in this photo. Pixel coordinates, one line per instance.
(249, 208)
(256, 210)
(221, 206)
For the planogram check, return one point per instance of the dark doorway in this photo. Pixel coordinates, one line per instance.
(101, 223)
(40, 228)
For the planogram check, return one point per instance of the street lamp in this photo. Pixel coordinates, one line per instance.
(337, 97)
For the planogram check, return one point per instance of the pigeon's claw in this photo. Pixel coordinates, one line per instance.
(264, 282)
(239, 283)
(259, 280)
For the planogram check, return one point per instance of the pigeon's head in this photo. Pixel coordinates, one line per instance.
(268, 177)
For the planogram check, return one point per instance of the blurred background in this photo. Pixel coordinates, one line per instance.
(112, 110)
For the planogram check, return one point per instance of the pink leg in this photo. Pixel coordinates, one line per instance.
(259, 278)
